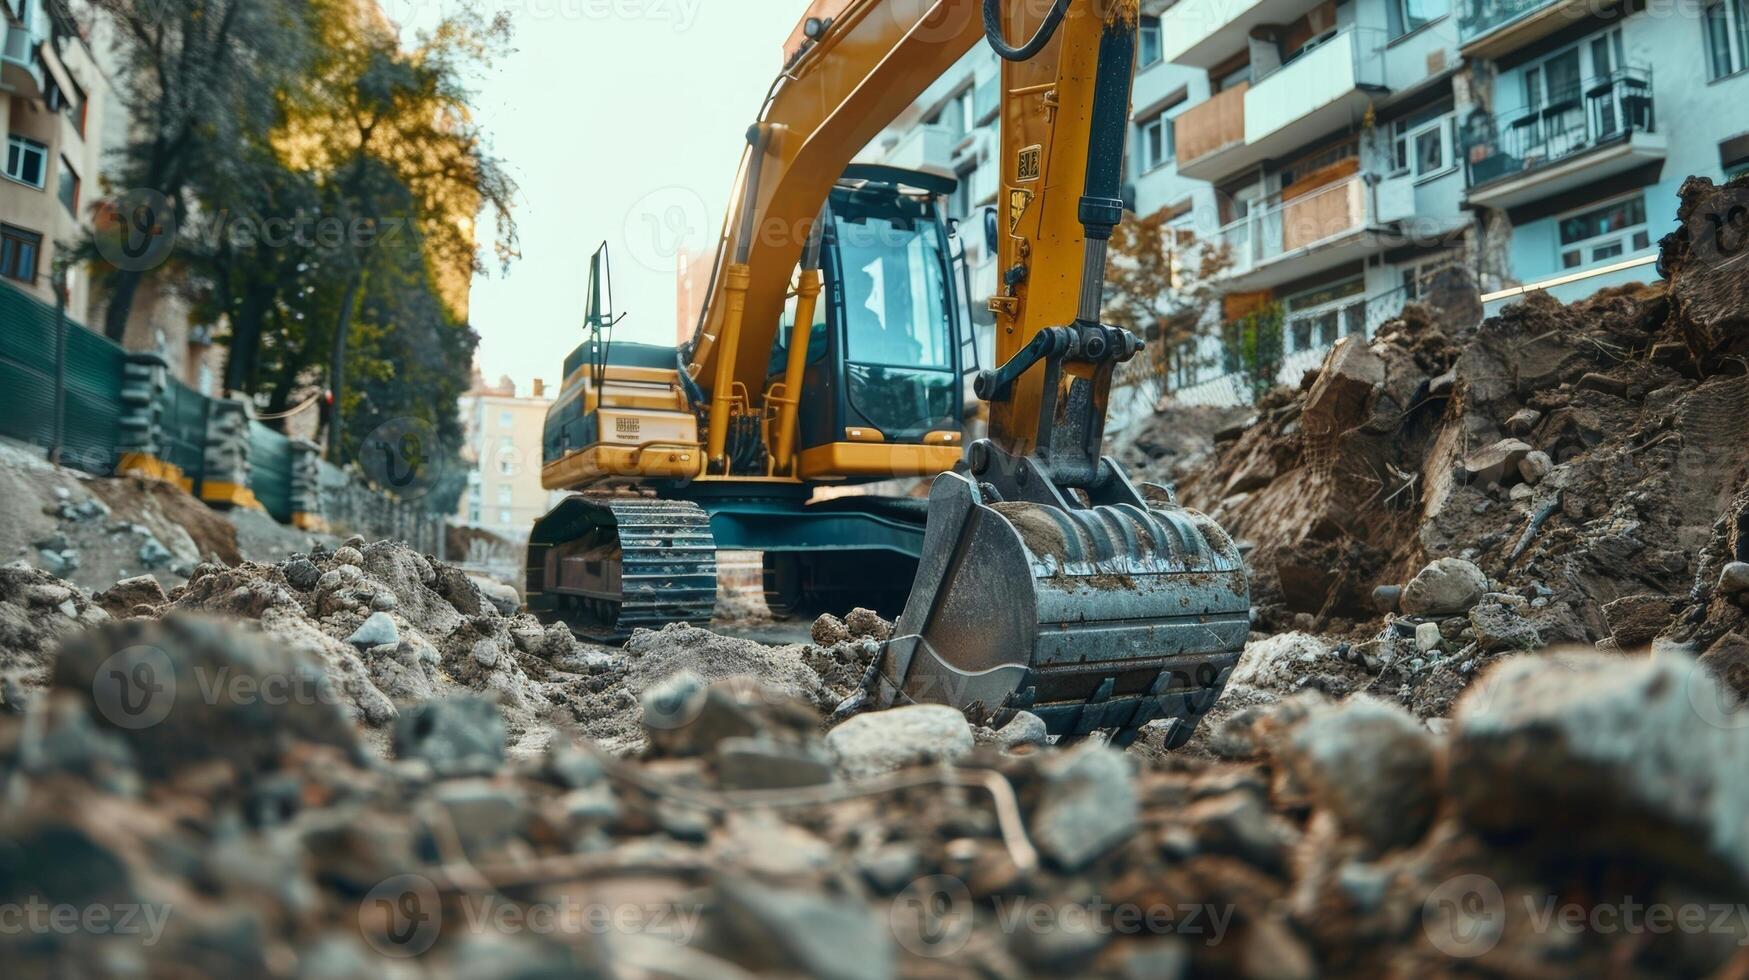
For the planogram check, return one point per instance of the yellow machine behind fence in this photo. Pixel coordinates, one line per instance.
(832, 350)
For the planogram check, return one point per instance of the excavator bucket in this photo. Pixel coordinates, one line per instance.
(1091, 616)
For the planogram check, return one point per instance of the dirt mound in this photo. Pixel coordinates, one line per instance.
(255, 836)
(1579, 455)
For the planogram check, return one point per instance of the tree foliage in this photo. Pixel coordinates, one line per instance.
(1161, 283)
(327, 178)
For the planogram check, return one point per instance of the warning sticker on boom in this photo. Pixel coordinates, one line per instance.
(1031, 162)
(1017, 204)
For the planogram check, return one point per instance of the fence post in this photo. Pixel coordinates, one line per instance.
(307, 512)
(145, 382)
(225, 472)
(60, 363)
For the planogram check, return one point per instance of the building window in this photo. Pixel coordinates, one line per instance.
(1422, 144)
(69, 190)
(1726, 23)
(1418, 276)
(504, 518)
(1156, 141)
(1150, 42)
(505, 420)
(1316, 318)
(18, 253)
(27, 161)
(503, 496)
(1604, 233)
(1412, 15)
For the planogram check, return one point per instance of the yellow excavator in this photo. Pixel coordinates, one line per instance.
(831, 350)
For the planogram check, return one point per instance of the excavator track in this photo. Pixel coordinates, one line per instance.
(610, 565)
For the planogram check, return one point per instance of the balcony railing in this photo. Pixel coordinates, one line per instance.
(20, 67)
(1478, 17)
(1318, 75)
(1599, 112)
(1284, 226)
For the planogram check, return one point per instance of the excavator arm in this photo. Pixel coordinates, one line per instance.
(1049, 582)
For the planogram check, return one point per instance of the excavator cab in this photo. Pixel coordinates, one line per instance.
(887, 355)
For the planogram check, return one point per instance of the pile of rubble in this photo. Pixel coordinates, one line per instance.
(191, 797)
(1548, 476)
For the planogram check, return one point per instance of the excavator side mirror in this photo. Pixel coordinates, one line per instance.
(992, 232)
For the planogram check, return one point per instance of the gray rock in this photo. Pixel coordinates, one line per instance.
(1499, 627)
(153, 553)
(377, 631)
(302, 573)
(1734, 579)
(1535, 467)
(506, 600)
(348, 555)
(1428, 638)
(1447, 587)
(1491, 463)
(57, 563)
(1596, 755)
(1089, 805)
(483, 813)
(458, 737)
(56, 542)
(187, 692)
(1371, 765)
(1025, 728)
(761, 763)
(1386, 598)
(884, 741)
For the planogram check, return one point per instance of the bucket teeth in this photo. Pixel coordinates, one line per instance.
(1101, 618)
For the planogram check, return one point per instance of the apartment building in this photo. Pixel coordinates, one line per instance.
(503, 433)
(1582, 121)
(52, 106)
(1345, 152)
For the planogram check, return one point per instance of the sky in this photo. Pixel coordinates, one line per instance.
(621, 121)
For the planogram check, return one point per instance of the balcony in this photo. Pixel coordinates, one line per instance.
(1322, 88)
(1203, 33)
(21, 70)
(1314, 231)
(1607, 127)
(1491, 28)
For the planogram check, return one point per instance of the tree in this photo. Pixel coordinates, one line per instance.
(1254, 348)
(201, 81)
(1161, 283)
(401, 158)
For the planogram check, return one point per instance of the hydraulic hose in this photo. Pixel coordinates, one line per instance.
(1026, 52)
